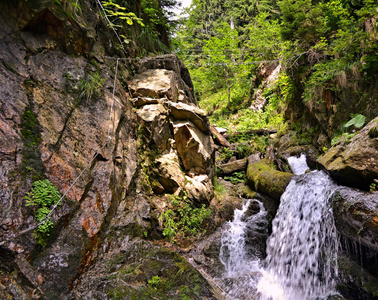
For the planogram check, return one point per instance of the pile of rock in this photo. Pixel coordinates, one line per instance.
(178, 129)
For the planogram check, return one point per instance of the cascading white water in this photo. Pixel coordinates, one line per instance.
(301, 251)
(242, 268)
(232, 252)
(298, 164)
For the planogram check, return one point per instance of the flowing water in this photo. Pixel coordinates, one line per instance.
(301, 251)
(241, 265)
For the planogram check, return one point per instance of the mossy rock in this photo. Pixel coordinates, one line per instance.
(156, 273)
(263, 178)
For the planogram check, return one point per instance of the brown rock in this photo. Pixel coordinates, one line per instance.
(181, 111)
(140, 101)
(219, 137)
(171, 62)
(155, 84)
(154, 120)
(355, 164)
(171, 176)
(194, 148)
(199, 188)
(356, 215)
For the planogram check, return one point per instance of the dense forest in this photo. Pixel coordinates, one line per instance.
(324, 48)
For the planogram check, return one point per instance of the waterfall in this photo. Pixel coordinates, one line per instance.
(298, 164)
(241, 266)
(302, 249)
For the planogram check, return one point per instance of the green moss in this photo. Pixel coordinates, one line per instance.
(162, 274)
(31, 136)
(263, 178)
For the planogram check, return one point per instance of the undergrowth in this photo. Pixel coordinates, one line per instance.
(183, 219)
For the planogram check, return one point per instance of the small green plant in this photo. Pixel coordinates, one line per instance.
(243, 150)
(373, 187)
(91, 86)
(219, 188)
(343, 138)
(118, 14)
(237, 177)
(356, 122)
(154, 282)
(225, 154)
(44, 195)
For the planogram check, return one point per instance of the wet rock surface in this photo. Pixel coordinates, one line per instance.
(356, 213)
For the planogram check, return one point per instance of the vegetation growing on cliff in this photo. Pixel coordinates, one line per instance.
(43, 195)
(183, 219)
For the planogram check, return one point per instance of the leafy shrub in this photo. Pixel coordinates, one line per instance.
(225, 154)
(44, 195)
(154, 282)
(183, 219)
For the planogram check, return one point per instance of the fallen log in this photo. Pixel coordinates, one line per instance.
(263, 178)
(251, 132)
(231, 167)
(219, 138)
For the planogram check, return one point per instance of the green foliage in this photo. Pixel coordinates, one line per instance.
(243, 150)
(43, 195)
(356, 122)
(342, 138)
(224, 154)
(119, 15)
(237, 177)
(91, 86)
(155, 282)
(219, 188)
(373, 187)
(183, 219)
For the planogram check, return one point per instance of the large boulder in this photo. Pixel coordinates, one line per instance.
(199, 188)
(263, 178)
(356, 215)
(171, 62)
(195, 148)
(155, 84)
(171, 177)
(182, 111)
(355, 164)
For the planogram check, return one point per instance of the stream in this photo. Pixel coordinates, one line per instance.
(301, 261)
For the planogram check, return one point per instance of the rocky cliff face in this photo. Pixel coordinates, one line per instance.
(56, 99)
